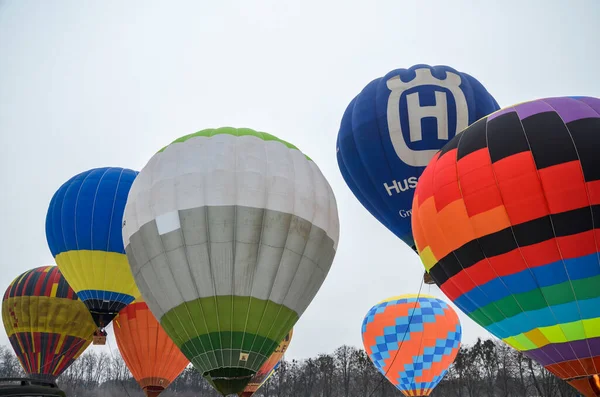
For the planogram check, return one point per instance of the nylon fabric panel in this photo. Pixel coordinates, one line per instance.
(536, 284)
(231, 170)
(351, 174)
(288, 263)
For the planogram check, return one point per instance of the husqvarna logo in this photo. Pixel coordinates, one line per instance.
(416, 112)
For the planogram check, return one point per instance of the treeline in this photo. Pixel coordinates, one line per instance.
(486, 369)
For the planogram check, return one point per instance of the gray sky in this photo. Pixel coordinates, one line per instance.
(87, 84)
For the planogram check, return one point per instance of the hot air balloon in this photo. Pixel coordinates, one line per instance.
(47, 325)
(505, 220)
(268, 368)
(230, 234)
(149, 353)
(394, 126)
(83, 229)
(412, 340)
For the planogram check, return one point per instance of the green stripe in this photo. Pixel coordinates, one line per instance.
(201, 317)
(536, 299)
(212, 332)
(216, 341)
(233, 131)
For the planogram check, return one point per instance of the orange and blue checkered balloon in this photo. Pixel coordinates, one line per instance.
(412, 340)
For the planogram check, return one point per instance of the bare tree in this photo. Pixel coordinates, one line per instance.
(487, 368)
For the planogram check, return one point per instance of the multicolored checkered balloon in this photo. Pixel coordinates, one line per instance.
(412, 340)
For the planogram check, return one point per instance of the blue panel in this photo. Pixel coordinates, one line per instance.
(86, 212)
(381, 179)
(105, 296)
(550, 274)
(545, 276)
(520, 282)
(583, 267)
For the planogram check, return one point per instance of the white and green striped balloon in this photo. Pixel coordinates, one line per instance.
(230, 233)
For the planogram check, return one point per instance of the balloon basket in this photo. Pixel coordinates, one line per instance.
(427, 279)
(99, 338)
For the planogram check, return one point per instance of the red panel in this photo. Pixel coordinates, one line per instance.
(541, 254)
(478, 183)
(475, 171)
(564, 187)
(481, 272)
(594, 192)
(450, 289)
(521, 188)
(445, 182)
(483, 200)
(510, 263)
(514, 166)
(462, 283)
(577, 245)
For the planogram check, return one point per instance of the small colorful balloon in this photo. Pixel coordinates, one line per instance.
(268, 368)
(47, 325)
(412, 340)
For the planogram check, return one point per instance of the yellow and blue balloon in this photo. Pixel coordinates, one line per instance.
(83, 229)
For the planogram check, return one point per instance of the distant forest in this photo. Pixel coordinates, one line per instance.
(486, 369)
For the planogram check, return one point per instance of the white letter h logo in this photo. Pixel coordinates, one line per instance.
(416, 112)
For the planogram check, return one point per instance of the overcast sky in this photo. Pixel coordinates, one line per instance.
(87, 84)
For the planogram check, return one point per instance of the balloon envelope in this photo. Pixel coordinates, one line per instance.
(506, 222)
(394, 126)
(47, 325)
(268, 368)
(412, 340)
(151, 356)
(83, 229)
(230, 234)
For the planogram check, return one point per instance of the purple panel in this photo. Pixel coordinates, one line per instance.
(595, 346)
(547, 355)
(559, 352)
(530, 108)
(592, 102)
(575, 349)
(538, 355)
(570, 109)
(501, 112)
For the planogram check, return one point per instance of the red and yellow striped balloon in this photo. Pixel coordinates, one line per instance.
(47, 325)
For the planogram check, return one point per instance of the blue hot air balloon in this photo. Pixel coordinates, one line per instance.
(83, 229)
(394, 126)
